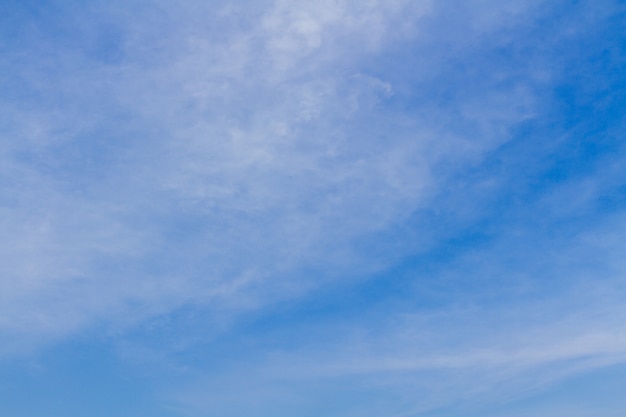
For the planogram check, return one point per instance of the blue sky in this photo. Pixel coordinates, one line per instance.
(334, 208)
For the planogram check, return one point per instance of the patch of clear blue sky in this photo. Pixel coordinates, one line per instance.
(76, 379)
(487, 238)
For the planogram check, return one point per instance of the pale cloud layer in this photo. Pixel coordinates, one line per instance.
(211, 162)
(173, 173)
(408, 360)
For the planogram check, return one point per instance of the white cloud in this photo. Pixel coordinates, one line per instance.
(224, 152)
(415, 363)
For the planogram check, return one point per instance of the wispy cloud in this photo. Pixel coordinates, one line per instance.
(194, 166)
(475, 349)
(395, 196)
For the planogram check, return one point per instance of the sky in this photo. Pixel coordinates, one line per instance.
(340, 208)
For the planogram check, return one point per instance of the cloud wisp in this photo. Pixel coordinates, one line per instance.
(151, 177)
